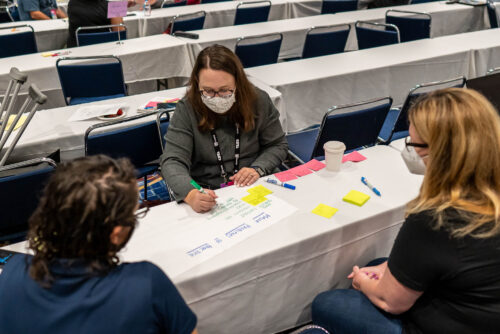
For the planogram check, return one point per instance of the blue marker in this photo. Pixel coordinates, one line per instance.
(284, 185)
(369, 185)
(4, 260)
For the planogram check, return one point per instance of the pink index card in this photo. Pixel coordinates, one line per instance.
(354, 157)
(117, 8)
(285, 176)
(152, 104)
(315, 165)
(300, 170)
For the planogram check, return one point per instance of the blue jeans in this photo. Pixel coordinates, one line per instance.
(349, 311)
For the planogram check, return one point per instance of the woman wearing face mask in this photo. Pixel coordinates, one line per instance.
(224, 130)
(442, 273)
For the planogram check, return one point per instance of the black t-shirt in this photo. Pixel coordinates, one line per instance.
(460, 277)
(86, 13)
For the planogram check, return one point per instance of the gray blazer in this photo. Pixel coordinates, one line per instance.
(189, 153)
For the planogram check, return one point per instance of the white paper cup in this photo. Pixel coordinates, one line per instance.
(334, 151)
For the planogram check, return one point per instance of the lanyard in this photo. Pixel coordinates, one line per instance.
(218, 153)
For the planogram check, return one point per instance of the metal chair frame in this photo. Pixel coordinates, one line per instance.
(108, 26)
(410, 12)
(251, 4)
(493, 71)
(7, 10)
(243, 39)
(379, 25)
(172, 4)
(347, 26)
(187, 17)
(22, 26)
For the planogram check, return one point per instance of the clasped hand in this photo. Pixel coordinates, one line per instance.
(359, 275)
(245, 177)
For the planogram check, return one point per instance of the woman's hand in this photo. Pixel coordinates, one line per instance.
(245, 177)
(201, 202)
(358, 275)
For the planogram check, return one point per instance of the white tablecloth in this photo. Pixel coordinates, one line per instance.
(50, 129)
(446, 20)
(147, 58)
(311, 86)
(266, 283)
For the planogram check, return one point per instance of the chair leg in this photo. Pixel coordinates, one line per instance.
(145, 187)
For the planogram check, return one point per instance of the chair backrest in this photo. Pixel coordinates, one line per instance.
(322, 41)
(100, 34)
(14, 13)
(355, 125)
(166, 4)
(162, 123)
(412, 25)
(337, 6)
(489, 86)
(401, 124)
(252, 12)
(5, 14)
(17, 42)
(492, 14)
(194, 21)
(133, 137)
(260, 50)
(91, 79)
(21, 185)
(371, 34)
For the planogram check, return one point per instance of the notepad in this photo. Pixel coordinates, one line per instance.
(315, 165)
(356, 197)
(324, 210)
(260, 190)
(300, 170)
(285, 176)
(354, 157)
(254, 199)
(19, 123)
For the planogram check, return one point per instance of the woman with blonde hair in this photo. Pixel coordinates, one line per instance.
(442, 273)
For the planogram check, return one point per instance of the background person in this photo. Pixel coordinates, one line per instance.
(442, 273)
(38, 10)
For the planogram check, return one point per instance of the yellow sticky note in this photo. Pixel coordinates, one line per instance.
(356, 197)
(20, 122)
(324, 210)
(46, 54)
(260, 190)
(254, 199)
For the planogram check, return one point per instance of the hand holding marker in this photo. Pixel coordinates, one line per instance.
(369, 185)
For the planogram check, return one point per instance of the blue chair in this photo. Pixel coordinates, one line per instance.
(356, 125)
(258, 51)
(194, 21)
(14, 13)
(411, 28)
(166, 4)
(492, 14)
(252, 12)
(21, 184)
(100, 34)
(162, 123)
(6, 14)
(17, 43)
(400, 127)
(83, 83)
(337, 6)
(371, 34)
(127, 138)
(327, 40)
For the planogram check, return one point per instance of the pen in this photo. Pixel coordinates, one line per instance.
(197, 186)
(369, 185)
(4, 260)
(282, 184)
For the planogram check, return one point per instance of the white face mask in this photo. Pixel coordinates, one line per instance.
(217, 104)
(413, 161)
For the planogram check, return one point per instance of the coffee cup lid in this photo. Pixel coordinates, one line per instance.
(334, 146)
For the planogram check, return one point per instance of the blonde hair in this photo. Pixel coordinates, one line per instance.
(462, 130)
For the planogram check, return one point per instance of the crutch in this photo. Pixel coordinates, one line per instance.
(35, 98)
(18, 78)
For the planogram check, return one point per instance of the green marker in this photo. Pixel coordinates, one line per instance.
(197, 186)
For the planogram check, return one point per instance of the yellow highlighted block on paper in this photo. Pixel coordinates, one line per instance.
(356, 197)
(324, 210)
(20, 122)
(260, 190)
(254, 199)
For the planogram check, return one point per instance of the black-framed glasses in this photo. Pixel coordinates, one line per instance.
(211, 93)
(409, 143)
(141, 213)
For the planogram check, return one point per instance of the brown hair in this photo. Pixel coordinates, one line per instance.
(82, 203)
(218, 57)
(462, 130)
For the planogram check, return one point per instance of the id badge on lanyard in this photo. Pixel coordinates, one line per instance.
(220, 159)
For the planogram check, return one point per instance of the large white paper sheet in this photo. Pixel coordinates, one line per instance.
(185, 239)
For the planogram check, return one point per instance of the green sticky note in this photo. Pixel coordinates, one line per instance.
(260, 190)
(254, 199)
(324, 210)
(356, 197)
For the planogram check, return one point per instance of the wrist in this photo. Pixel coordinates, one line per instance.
(259, 171)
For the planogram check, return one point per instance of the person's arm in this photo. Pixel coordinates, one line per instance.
(60, 14)
(384, 290)
(38, 15)
(117, 20)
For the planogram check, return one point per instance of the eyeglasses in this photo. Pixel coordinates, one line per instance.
(409, 143)
(141, 213)
(211, 93)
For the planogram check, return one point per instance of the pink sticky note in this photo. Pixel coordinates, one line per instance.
(300, 170)
(315, 165)
(117, 8)
(354, 157)
(285, 176)
(152, 104)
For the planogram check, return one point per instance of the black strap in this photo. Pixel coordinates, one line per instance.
(218, 153)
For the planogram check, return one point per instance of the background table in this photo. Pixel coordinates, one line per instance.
(266, 283)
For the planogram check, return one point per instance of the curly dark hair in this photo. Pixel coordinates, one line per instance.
(82, 203)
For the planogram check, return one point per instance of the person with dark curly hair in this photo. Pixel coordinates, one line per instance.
(74, 282)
